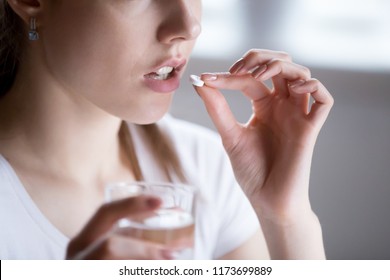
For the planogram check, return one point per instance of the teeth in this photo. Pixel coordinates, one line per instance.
(164, 70)
(163, 73)
(161, 77)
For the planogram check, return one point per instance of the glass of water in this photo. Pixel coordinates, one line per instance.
(171, 226)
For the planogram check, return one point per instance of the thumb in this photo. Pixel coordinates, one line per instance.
(219, 112)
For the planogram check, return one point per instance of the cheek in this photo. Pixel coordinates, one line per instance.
(96, 56)
(85, 54)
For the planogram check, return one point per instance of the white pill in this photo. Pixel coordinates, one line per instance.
(196, 81)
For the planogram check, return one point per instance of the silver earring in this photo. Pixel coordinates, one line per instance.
(33, 34)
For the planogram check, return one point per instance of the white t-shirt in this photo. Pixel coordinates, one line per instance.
(224, 219)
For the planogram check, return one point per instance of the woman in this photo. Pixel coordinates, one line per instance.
(83, 88)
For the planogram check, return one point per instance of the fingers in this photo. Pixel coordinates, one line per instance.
(220, 113)
(255, 57)
(251, 88)
(105, 218)
(120, 247)
(266, 64)
(291, 81)
(283, 69)
(251, 84)
(323, 100)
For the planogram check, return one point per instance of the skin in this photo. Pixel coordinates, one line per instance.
(91, 75)
(281, 135)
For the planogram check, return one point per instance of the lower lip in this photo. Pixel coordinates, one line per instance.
(163, 86)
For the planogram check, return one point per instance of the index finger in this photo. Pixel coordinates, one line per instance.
(252, 88)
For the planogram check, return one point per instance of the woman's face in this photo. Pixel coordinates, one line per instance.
(124, 56)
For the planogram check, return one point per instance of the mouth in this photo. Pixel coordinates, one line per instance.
(166, 77)
(161, 74)
(167, 71)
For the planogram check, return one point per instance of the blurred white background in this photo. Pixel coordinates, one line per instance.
(346, 43)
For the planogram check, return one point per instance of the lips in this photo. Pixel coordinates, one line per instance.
(165, 77)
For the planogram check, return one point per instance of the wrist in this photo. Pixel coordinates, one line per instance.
(287, 216)
(298, 238)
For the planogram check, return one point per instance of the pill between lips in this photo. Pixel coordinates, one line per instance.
(196, 81)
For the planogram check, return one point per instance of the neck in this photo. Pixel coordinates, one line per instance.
(43, 125)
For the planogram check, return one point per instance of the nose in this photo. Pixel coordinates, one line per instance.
(182, 22)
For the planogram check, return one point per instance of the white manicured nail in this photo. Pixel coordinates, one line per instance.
(196, 81)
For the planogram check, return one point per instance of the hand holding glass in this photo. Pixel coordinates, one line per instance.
(172, 226)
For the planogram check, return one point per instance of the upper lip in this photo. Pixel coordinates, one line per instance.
(176, 63)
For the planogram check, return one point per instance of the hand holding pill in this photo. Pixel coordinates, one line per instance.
(270, 154)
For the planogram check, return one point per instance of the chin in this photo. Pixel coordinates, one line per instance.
(149, 120)
(147, 109)
(145, 118)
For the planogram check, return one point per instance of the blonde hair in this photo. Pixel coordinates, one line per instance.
(12, 38)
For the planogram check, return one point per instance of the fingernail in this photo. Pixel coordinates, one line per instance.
(209, 77)
(237, 66)
(167, 254)
(297, 83)
(196, 81)
(152, 202)
(259, 71)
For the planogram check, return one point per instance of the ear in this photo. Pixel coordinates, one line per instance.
(26, 8)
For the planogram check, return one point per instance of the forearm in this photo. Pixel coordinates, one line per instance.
(301, 239)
